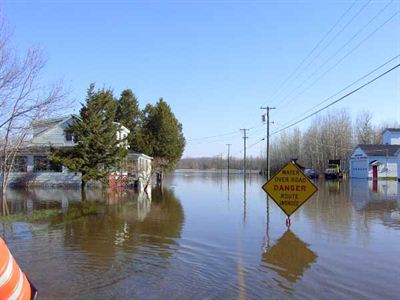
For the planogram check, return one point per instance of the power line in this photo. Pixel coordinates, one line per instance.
(325, 47)
(340, 99)
(279, 89)
(213, 136)
(230, 133)
(337, 52)
(345, 88)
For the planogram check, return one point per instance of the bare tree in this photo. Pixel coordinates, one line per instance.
(285, 147)
(22, 100)
(364, 130)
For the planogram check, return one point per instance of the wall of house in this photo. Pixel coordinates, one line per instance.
(388, 167)
(360, 165)
(43, 178)
(54, 136)
(363, 169)
(391, 138)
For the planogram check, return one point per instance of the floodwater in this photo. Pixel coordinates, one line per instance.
(207, 237)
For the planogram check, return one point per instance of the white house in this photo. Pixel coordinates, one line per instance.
(33, 166)
(391, 136)
(377, 161)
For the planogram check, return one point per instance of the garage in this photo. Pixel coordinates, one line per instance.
(359, 168)
(374, 161)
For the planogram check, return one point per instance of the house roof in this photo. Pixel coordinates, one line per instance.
(392, 129)
(137, 154)
(49, 122)
(379, 150)
(45, 124)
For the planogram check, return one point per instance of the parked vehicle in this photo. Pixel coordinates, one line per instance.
(333, 171)
(311, 173)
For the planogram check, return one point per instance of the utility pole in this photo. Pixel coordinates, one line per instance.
(268, 122)
(244, 149)
(222, 162)
(229, 148)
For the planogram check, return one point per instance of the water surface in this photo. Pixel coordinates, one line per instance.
(207, 237)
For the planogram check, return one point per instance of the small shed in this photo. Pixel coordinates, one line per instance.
(134, 170)
(375, 161)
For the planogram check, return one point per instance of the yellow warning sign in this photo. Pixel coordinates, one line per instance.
(289, 188)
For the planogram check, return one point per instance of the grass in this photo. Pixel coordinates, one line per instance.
(54, 216)
(34, 216)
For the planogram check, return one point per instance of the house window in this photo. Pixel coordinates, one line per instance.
(44, 164)
(132, 166)
(68, 136)
(20, 164)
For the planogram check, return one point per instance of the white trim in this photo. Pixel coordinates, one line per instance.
(17, 292)
(7, 274)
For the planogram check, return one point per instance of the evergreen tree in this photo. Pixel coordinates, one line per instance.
(97, 150)
(129, 115)
(161, 134)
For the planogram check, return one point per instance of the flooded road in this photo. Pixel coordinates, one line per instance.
(207, 237)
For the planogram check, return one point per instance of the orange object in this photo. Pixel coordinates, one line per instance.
(13, 283)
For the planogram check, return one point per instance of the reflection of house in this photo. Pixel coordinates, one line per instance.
(377, 200)
(33, 166)
(377, 161)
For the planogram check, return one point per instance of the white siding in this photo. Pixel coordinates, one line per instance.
(53, 136)
(360, 165)
(387, 167)
(391, 138)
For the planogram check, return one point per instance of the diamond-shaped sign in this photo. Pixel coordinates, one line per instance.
(289, 188)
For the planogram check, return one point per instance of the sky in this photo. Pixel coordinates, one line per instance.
(217, 62)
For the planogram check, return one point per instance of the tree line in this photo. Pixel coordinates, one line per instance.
(218, 162)
(333, 135)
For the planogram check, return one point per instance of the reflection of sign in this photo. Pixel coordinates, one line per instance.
(289, 188)
(289, 257)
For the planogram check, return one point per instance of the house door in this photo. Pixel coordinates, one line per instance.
(374, 172)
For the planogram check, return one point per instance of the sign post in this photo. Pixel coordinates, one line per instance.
(290, 189)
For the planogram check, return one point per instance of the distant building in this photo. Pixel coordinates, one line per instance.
(377, 161)
(391, 136)
(33, 166)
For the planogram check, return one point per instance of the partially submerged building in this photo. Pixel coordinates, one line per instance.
(33, 166)
(377, 161)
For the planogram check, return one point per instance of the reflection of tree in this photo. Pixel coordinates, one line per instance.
(290, 257)
(128, 225)
(330, 209)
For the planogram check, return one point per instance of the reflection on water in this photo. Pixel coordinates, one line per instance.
(377, 200)
(208, 236)
(289, 257)
(106, 238)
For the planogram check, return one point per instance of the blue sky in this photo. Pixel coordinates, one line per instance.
(217, 62)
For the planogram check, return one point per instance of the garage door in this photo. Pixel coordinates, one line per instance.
(359, 168)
